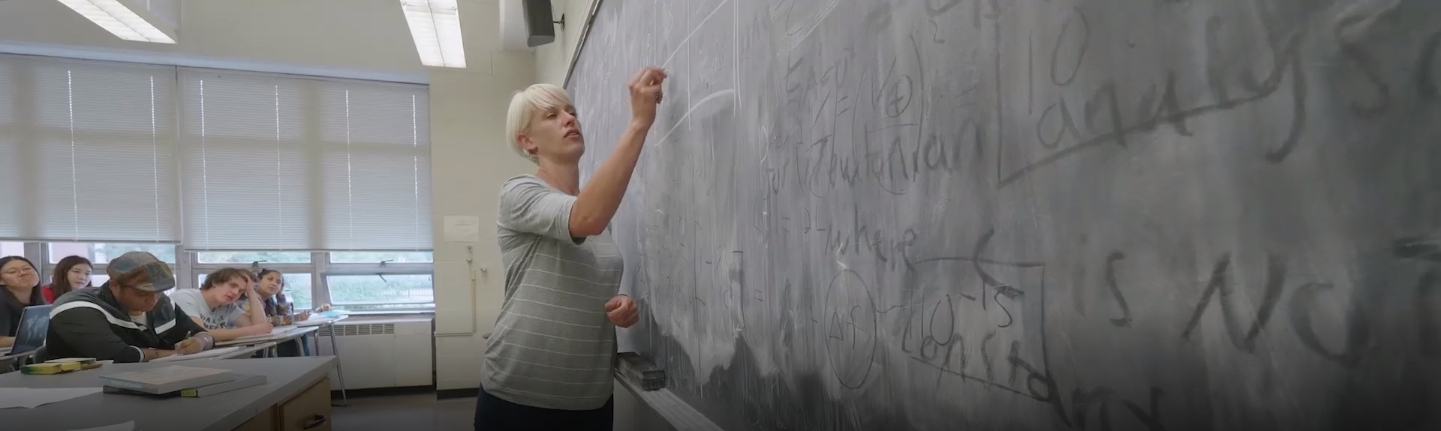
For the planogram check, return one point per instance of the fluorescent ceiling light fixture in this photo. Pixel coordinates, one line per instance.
(119, 20)
(435, 27)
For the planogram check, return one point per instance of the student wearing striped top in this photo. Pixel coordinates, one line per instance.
(547, 365)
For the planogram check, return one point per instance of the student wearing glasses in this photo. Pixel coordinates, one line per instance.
(19, 288)
(127, 319)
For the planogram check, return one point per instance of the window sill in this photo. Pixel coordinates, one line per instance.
(389, 312)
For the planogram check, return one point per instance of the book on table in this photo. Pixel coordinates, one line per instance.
(242, 381)
(170, 378)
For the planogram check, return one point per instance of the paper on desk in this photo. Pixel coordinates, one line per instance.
(278, 331)
(35, 397)
(128, 426)
(202, 354)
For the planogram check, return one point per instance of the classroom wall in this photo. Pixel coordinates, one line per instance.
(469, 161)
(551, 59)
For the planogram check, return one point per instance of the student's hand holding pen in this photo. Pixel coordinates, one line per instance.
(192, 344)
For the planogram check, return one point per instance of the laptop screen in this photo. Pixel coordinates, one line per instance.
(34, 323)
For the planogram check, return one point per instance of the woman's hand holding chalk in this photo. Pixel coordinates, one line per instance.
(645, 93)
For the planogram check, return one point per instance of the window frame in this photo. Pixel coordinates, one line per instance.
(187, 270)
(325, 269)
(39, 252)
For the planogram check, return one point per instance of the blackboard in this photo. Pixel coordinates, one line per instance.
(1033, 214)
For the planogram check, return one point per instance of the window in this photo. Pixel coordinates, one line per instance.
(101, 253)
(325, 180)
(12, 248)
(362, 281)
(354, 281)
(252, 257)
(82, 139)
(297, 289)
(286, 163)
(380, 291)
(401, 257)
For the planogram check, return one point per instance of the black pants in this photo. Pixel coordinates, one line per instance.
(493, 413)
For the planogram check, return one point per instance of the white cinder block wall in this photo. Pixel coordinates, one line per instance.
(469, 161)
(551, 60)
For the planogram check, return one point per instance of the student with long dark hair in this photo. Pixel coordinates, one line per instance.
(73, 272)
(19, 288)
(270, 286)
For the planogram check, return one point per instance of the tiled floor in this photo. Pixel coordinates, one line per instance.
(411, 412)
(420, 411)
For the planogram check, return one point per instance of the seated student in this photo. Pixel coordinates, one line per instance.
(73, 272)
(271, 287)
(127, 319)
(19, 288)
(214, 305)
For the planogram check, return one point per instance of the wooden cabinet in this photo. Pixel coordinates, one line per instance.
(263, 421)
(309, 411)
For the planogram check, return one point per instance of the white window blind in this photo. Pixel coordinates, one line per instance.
(278, 162)
(87, 151)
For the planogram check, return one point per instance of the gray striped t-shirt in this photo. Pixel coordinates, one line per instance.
(553, 345)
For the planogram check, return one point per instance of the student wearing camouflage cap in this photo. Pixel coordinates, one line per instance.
(127, 319)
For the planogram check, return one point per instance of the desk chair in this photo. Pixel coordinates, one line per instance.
(36, 356)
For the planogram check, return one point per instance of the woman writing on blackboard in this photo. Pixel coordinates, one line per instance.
(548, 363)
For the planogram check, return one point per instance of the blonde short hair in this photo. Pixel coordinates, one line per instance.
(523, 105)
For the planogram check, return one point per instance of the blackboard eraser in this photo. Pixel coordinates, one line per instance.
(640, 372)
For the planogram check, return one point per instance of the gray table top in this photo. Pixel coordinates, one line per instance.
(285, 377)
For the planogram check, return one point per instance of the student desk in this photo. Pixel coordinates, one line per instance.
(308, 329)
(274, 340)
(242, 352)
(11, 362)
(296, 396)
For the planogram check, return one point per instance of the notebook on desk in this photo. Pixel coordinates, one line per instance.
(201, 355)
(277, 332)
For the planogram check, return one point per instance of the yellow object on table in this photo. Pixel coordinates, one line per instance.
(57, 366)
